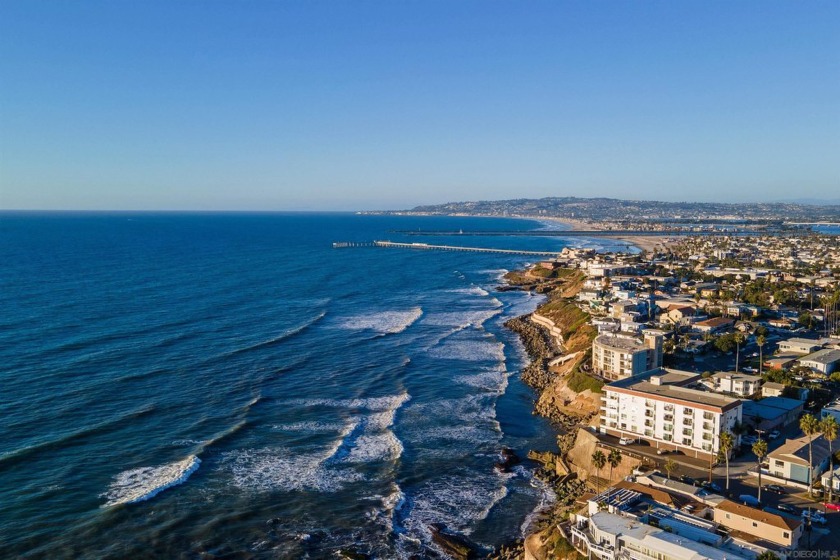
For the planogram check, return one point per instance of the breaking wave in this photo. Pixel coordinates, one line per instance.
(137, 485)
(385, 322)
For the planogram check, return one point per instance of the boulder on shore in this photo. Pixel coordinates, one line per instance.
(456, 546)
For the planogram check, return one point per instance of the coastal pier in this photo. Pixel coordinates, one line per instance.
(428, 247)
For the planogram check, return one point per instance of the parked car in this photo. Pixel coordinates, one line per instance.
(662, 451)
(774, 488)
(688, 508)
(749, 500)
(625, 441)
(832, 506)
(711, 486)
(687, 479)
(786, 508)
(774, 434)
(748, 440)
(814, 516)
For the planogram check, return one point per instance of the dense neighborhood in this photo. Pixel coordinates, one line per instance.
(711, 369)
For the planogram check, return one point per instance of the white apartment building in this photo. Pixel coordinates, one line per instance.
(617, 356)
(658, 408)
(739, 384)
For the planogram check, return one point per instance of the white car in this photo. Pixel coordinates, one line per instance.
(625, 441)
(774, 434)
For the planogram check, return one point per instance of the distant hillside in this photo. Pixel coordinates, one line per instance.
(622, 210)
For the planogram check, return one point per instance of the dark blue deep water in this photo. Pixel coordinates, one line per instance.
(178, 384)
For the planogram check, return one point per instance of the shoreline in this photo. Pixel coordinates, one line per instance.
(563, 486)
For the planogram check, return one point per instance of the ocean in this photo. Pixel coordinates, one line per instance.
(173, 385)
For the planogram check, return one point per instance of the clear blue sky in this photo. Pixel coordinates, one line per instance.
(360, 104)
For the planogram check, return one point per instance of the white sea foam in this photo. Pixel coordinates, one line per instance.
(314, 427)
(494, 380)
(366, 437)
(472, 290)
(137, 485)
(547, 498)
(461, 319)
(386, 403)
(271, 469)
(367, 448)
(282, 469)
(384, 322)
(457, 501)
(470, 350)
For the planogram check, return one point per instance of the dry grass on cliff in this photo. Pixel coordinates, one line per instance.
(578, 333)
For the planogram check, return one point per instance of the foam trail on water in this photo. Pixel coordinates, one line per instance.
(385, 322)
(137, 485)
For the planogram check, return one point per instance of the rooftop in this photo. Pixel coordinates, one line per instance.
(715, 322)
(780, 521)
(628, 343)
(736, 376)
(669, 387)
(826, 356)
(796, 451)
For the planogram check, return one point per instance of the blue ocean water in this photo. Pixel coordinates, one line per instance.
(178, 384)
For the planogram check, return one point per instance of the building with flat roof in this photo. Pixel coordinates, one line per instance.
(740, 384)
(659, 408)
(824, 361)
(608, 536)
(772, 412)
(831, 409)
(790, 461)
(799, 345)
(617, 356)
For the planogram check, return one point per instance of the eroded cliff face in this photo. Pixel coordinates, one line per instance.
(579, 459)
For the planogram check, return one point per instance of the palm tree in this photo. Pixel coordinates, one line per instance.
(829, 428)
(599, 460)
(726, 444)
(739, 340)
(614, 459)
(760, 450)
(810, 426)
(761, 340)
(669, 466)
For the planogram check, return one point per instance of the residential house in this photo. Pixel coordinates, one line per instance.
(714, 325)
(799, 346)
(824, 361)
(740, 384)
(778, 529)
(790, 461)
(772, 389)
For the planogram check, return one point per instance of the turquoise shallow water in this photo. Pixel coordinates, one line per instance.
(172, 384)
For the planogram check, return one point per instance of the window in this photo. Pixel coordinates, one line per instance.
(786, 535)
(727, 516)
(755, 524)
(708, 416)
(780, 463)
